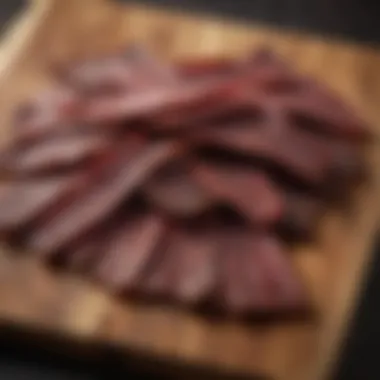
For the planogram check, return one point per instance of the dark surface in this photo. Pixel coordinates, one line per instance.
(351, 20)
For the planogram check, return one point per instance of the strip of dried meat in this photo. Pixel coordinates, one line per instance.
(54, 154)
(119, 181)
(302, 213)
(47, 111)
(250, 192)
(185, 268)
(151, 103)
(22, 202)
(128, 250)
(173, 190)
(298, 153)
(256, 275)
(317, 112)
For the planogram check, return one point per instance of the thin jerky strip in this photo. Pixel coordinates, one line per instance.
(282, 286)
(122, 180)
(321, 112)
(249, 191)
(50, 110)
(173, 190)
(128, 250)
(240, 280)
(247, 277)
(301, 215)
(52, 155)
(184, 269)
(24, 201)
(148, 104)
(196, 262)
(82, 254)
(296, 153)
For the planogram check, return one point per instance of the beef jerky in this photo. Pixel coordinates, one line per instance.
(118, 183)
(185, 268)
(48, 111)
(256, 276)
(172, 190)
(252, 193)
(51, 155)
(128, 250)
(23, 201)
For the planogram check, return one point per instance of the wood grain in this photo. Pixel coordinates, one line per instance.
(52, 31)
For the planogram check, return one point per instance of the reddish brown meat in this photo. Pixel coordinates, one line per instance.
(197, 260)
(256, 275)
(81, 257)
(185, 269)
(249, 191)
(296, 152)
(128, 250)
(174, 191)
(180, 181)
(54, 154)
(155, 101)
(218, 110)
(322, 113)
(301, 216)
(22, 202)
(83, 253)
(118, 181)
(51, 110)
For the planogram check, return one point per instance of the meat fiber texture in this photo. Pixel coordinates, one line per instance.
(180, 182)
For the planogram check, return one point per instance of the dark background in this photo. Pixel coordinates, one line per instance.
(20, 355)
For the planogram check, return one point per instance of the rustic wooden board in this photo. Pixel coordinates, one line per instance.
(52, 31)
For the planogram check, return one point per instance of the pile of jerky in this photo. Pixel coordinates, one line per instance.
(183, 182)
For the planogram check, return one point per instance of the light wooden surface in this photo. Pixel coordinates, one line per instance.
(54, 30)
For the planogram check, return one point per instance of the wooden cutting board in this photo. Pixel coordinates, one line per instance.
(51, 31)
